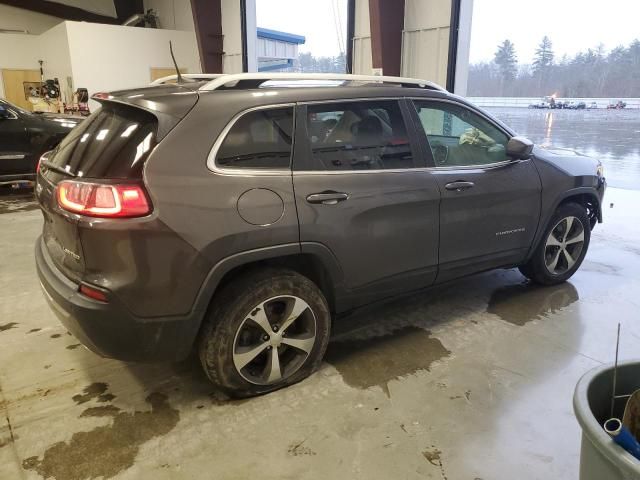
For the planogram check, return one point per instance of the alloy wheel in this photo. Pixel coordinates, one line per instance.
(564, 245)
(274, 340)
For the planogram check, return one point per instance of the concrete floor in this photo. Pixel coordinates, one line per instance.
(473, 380)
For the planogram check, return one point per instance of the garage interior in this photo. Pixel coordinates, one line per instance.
(473, 379)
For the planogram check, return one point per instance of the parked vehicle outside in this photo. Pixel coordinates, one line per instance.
(24, 136)
(540, 105)
(241, 217)
(619, 105)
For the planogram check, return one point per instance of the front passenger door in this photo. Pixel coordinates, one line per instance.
(490, 204)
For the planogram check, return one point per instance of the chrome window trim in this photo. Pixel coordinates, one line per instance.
(435, 170)
(211, 158)
(14, 115)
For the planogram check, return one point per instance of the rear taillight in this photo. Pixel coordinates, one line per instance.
(100, 200)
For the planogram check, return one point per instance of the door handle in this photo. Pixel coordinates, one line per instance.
(459, 186)
(327, 198)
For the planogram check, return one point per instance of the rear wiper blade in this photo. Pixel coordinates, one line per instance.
(56, 168)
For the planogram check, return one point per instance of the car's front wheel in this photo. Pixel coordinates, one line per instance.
(264, 331)
(562, 247)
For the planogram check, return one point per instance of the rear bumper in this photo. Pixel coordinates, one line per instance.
(109, 329)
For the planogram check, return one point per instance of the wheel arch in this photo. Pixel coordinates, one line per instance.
(314, 261)
(585, 196)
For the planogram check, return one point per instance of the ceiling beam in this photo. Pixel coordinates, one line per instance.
(59, 10)
(207, 18)
(386, 18)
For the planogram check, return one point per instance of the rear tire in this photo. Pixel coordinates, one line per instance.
(562, 247)
(264, 331)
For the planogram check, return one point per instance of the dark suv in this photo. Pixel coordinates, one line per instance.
(24, 136)
(242, 214)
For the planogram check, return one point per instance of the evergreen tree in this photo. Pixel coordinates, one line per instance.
(506, 60)
(543, 57)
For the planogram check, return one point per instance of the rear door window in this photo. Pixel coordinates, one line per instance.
(360, 135)
(259, 139)
(113, 142)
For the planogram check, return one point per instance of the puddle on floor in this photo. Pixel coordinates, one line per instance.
(17, 203)
(365, 363)
(524, 302)
(107, 450)
(95, 390)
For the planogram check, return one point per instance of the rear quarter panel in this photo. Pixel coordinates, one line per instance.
(200, 206)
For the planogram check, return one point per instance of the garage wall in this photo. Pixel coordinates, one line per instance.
(425, 39)
(22, 52)
(111, 57)
(172, 14)
(19, 19)
(362, 62)
(54, 50)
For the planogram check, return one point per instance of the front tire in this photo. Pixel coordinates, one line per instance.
(562, 247)
(264, 331)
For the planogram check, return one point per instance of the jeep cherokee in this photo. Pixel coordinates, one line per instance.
(239, 214)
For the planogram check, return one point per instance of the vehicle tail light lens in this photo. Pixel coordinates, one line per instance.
(99, 200)
(93, 293)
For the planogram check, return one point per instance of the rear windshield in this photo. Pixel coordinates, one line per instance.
(113, 142)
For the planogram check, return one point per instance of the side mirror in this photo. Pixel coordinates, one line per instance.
(519, 148)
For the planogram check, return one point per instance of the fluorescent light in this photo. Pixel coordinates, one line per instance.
(102, 134)
(142, 148)
(129, 130)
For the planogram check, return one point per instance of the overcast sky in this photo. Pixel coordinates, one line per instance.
(312, 18)
(572, 25)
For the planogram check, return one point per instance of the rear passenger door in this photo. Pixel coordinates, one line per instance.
(362, 192)
(490, 203)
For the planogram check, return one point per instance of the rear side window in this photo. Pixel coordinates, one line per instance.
(364, 135)
(260, 139)
(114, 142)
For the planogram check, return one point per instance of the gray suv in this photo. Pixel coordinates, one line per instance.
(241, 214)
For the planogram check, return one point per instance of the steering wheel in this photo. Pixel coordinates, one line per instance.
(440, 154)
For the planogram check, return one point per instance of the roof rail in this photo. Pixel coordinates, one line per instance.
(192, 76)
(254, 80)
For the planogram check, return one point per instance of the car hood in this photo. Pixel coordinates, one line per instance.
(570, 161)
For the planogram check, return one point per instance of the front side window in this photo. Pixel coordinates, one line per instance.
(364, 135)
(459, 137)
(260, 139)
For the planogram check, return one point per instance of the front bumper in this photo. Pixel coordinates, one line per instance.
(109, 329)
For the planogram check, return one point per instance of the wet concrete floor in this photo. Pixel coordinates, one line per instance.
(472, 380)
(610, 135)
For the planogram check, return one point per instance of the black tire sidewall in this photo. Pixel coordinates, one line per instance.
(537, 268)
(230, 308)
